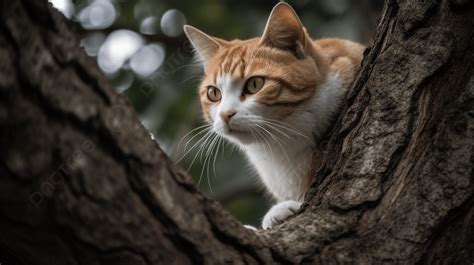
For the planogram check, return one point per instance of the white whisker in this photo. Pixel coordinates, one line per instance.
(200, 151)
(208, 133)
(193, 130)
(282, 149)
(268, 144)
(207, 160)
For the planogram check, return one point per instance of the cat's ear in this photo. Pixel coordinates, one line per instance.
(206, 46)
(284, 30)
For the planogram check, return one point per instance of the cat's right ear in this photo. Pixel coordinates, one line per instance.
(205, 46)
(284, 30)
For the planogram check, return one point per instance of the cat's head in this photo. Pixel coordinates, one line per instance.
(251, 85)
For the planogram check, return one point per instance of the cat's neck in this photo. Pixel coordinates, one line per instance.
(282, 165)
(284, 161)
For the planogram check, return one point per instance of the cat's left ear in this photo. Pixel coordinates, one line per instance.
(206, 46)
(284, 30)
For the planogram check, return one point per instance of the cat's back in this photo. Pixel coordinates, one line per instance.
(344, 56)
(334, 48)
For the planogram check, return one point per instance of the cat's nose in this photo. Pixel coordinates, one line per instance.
(226, 115)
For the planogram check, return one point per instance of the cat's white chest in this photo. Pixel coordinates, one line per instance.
(283, 168)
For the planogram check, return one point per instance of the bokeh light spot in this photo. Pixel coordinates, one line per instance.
(99, 14)
(92, 43)
(148, 59)
(123, 82)
(119, 46)
(65, 6)
(149, 26)
(172, 23)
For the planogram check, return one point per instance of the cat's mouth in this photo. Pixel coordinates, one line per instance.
(241, 136)
(235, 131)
(237, 134)
(229, 130)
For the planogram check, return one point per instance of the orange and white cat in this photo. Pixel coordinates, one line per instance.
(274, 97)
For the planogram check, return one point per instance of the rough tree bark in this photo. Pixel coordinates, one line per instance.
(81, 182)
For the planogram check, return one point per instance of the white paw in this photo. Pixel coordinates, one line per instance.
(279, 213)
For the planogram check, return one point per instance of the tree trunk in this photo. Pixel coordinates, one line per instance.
(81, 182)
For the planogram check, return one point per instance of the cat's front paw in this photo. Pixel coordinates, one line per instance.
(279, 213)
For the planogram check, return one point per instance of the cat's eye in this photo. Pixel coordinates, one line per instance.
(254, 84)
(213, 93)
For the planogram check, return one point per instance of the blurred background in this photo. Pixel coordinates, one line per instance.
(141, 48)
